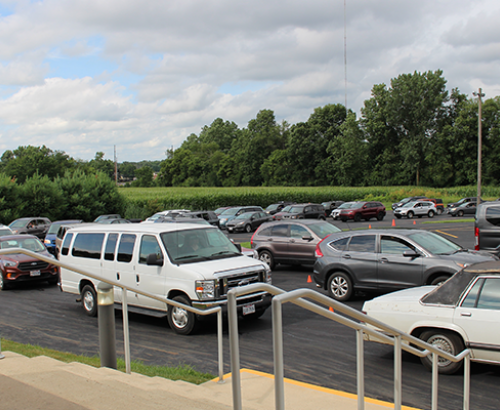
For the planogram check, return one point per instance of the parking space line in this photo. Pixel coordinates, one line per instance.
(444, 233)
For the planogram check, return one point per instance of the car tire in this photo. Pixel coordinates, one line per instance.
(447, 341)
(3, 284)
(248, 228)
(340, 286)
(357, 218)
(439, 280)
(268, 258)
(410, 215)
(180, 320)
(439, 211)
(53, 281)
(398, 216)
(380, 216)
(460, 213)
(89, 300)
(431, 214)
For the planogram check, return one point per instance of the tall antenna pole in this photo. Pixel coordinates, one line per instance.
(116, 170)
(345, 57)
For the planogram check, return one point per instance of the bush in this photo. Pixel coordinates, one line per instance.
(9, 199)
(40, 196)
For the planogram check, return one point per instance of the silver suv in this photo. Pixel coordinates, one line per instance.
(487, 227)
(387, 260)
(417, 208)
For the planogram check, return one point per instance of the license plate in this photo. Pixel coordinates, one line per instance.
(248, 309)
(35, 273)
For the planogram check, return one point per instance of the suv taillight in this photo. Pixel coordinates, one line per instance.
(317, 251)
(476, 235)
(251, 239)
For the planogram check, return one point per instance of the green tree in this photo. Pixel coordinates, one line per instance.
(144, 177)
(40, 196)
(9, 199)
(99, 164)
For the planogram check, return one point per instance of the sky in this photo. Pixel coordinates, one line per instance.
(86, 76)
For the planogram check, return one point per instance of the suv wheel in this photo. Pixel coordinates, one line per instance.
(267, 257)
(431, 214)
(340, 286)
(410, 214)
(357, 218)
(380, 216)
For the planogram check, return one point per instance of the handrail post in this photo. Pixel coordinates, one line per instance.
(466, 381)
(279, 387)
(360, 369)
(1, 355)
(219, 343)
(126, 336)
(397, 372)
(234, 349)
(435, 374)
(106, 323)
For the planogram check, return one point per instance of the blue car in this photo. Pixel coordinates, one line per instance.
(50, 237)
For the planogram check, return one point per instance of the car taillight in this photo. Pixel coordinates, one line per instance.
(317, 251)
(476, 235)
(251, 239)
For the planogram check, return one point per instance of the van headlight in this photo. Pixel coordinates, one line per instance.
(205, 289)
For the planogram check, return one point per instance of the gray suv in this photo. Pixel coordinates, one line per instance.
(487, 227)
(290, 241)
(37, 226)
(387, 260)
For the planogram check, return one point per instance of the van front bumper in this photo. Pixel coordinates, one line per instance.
(261, 300)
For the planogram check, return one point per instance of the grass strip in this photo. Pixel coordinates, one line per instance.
(450, 221)
(181, 372)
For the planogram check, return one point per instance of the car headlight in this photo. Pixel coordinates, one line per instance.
(9, 264)
(47, 241)
(205, 289)
(293, 217)
(223, 220)
(240, 223)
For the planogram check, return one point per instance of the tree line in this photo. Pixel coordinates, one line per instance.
(412, 132)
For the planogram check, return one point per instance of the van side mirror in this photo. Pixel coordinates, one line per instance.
(153, 260)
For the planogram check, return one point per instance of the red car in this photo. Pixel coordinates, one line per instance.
(363, 210)
(17, 267)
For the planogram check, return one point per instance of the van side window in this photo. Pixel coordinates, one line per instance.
(126, 248)
(88, 245)
(149, 245)
(109, 252)
(67, 241)
(493, 215)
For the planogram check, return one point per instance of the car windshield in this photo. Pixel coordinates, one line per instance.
(434, 243)
(19, 223)
(245, 215)
(31, 244)
(230, 211)
(346, 205)
(324, 229)
(195, 245)
(272, 207)
(287, 208)
(357, 205)
(296, 209)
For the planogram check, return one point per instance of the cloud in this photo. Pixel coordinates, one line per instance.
(84, 76)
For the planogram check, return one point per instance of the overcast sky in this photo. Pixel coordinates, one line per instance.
(82, 76)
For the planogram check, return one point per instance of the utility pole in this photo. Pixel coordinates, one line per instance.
(479, 143)
(116, 170)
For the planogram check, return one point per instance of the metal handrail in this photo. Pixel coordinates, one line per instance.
(388, 334)
(124, 289)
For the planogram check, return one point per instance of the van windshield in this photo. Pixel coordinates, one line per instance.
(195, 245)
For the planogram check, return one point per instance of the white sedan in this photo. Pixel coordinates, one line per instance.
(464, 312)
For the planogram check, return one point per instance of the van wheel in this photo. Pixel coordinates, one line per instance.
(447, 341)
(267, 257)
(89, 300)
(180, 320)
(340, 286)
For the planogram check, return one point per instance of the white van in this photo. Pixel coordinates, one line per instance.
(191, 264)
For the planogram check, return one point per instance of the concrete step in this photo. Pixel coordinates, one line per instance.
(44, 383)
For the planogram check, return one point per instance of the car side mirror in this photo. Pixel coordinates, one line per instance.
(411, 254)
(153, 260)
(307, 238)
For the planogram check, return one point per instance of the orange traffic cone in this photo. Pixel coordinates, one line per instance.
(309, 280)
(393, 222)
(331, 309)
(369, 227)
(414, 222)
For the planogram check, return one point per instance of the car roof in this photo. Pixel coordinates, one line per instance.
(295, 222)
(12, 237)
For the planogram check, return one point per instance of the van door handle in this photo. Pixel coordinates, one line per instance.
(137, 279)
(466, 314)
(346, 256)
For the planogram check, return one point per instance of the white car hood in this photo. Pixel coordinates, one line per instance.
(404, 297)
